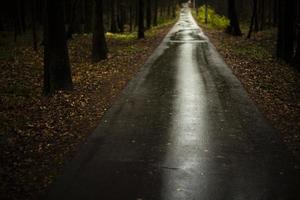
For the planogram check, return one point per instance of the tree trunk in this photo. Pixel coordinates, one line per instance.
(262, 15)
(17, 20)
(33, 21)
(174, 6)
(275, 12)
(74, 19)
(155, 13)
(113, 22)
(88, 15)
(297, 56)
(40, 12)
(168, 10)
(1, 25)
(23, 16)
(131, 18)
(57, 70)
(286, 30)
(141, 28)
(121, 16)
(149, 14)
(99, 47)
(254, 16)
(234, 27)
(270, 10)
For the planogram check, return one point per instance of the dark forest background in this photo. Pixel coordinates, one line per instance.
(61, 19)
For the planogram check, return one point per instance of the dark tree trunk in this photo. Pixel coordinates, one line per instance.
(74, 19)
(297, 56)
(256, 27)
(122, 16)
(286, 30)
(16, 29)
(136, 16)
(57, 70)
(275, 12)
(254, 16)
(33, 21)
(99, 47)
(262, 14)
(40, 12)
(234, 27)
(141, 28)
(22, 16)
(1, 25)
(173, 10)
(270, 11)
(88, 15)
(113, 20)
(17, 20)
(155, 12)
(131, 18)
(169, 10)
(149, 14)
(161, 12)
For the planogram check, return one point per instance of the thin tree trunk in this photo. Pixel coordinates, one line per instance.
(121, 18)
(99, 47)
(269, 5)
(173, 9)
(33, 21)
(1, 25)
(113, 22)
(131, 18)
(275, 12)
(17, 20)
(74, 19)
(297, 55)
(161, 12)
(234, 27)
(286, 30)
(88, 7)
(141, 28)
(57, 70)
(155, 13)
(262, 14)
(254, 15)
(149, 14)
(22, 16)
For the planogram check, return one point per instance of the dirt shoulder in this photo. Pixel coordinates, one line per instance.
(273, 85)
(39, 134)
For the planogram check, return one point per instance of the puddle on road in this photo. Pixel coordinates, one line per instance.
(189, 34)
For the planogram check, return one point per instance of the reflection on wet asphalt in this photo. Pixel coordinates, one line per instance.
(184, 128)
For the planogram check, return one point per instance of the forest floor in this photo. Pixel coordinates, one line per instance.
(38, 134)
(272, 84)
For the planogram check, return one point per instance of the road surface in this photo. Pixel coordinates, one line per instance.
(183, 129)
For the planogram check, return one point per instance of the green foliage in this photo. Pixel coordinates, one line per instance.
(214, 20)
(130, 36)
(121, 36)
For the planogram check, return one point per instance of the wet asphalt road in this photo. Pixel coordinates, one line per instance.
(184, 128)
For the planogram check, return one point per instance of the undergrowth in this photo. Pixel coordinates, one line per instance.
(214, 20)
